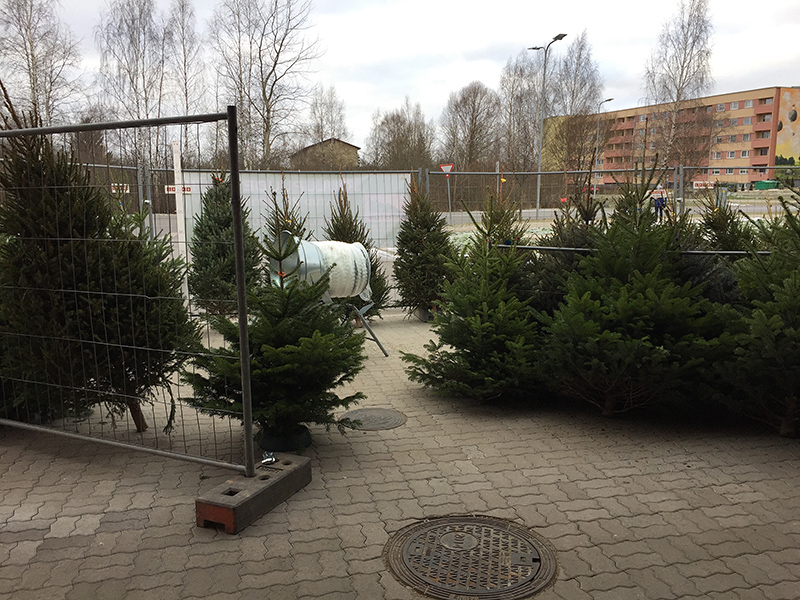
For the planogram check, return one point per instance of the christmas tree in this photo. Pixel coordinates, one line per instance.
(212, 275)
(92, 310)
(423, 248)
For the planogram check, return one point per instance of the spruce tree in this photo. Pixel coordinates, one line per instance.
(345, 225)
(301, 350)
(488, 338)
(423, 248)
(91, 306)
(212, 275)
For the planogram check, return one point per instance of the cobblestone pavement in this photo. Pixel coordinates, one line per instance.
(634, 509)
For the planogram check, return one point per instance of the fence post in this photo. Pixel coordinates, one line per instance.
(238, 245)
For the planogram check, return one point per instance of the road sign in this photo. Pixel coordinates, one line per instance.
(171, 189)
(446, 168)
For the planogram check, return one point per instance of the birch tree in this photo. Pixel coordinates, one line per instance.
(400, 139)
(133, 40)
(519, 100)
(262, 56)
(677, 73)
(39, 57)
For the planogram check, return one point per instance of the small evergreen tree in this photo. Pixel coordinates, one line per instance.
(345, 225)
(489, 341)
(91, 306)
(423, 247)
(300, 351)
(212, 274)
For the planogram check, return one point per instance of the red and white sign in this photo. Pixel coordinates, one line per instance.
(698, 185)
(120, 188)
(446, 168)
(172, 189)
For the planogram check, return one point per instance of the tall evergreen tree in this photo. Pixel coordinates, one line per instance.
(91, 305)
(347, 226)
(212, 275)
(423, 248)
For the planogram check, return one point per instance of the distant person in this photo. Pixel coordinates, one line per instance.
(659, 202)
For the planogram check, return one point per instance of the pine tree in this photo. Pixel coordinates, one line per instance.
(91, 305)
(212, 274)
(346, 226)
(423, 248)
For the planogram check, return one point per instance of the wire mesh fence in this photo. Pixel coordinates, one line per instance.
(96, 325)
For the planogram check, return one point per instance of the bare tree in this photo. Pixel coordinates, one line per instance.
(678, 73)
(470, 128)
(400, 139)
(519, 96)
(327, 117)
(262, 56)
(185, 66)
(577, 90)
(133, 42)
(39, 57)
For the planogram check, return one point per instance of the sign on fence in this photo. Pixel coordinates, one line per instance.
(186, 189)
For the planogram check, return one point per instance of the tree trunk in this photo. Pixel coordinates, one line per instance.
(137, 415)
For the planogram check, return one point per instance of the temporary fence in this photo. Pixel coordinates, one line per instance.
(113, 334)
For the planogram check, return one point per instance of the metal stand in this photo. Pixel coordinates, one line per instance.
(364, 322)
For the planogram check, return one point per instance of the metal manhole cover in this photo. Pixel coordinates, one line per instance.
(471, 557)
(376, 419)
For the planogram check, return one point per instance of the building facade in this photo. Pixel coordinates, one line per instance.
(735, 138)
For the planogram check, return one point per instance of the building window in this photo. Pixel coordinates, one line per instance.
(766, 118)
(720, 123)
(745, 153)
(642, 118)
(652, 145)
(763, 151)
(717, 155)
(720, 107)
(715, 171)
(731, 153)
(709, 108)
(748, 104)
(765, 101)
(718, 139)
(651, 159)
(745, 137)
(747, 121)
(728, 171)
(734, 122)
(734, 106)
(731, 138)
(763, 134)
(743, 171)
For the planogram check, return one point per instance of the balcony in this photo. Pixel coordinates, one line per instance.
(762, 126)
(760, 161)
(761, 109)
(760, 143)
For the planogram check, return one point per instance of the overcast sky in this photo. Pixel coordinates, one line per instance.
(377, 52)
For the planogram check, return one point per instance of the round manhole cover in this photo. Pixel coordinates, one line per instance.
(375, 419)
(471, 557)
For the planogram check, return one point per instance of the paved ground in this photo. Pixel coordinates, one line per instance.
(633, 509)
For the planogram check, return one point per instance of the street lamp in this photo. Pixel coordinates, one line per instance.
(560, 36)
(597, 142)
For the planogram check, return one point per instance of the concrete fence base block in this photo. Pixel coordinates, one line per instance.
(240, 501)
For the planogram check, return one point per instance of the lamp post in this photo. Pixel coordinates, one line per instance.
(597, 142)
(560, 36)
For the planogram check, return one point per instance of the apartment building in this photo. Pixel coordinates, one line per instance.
(733, 138)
